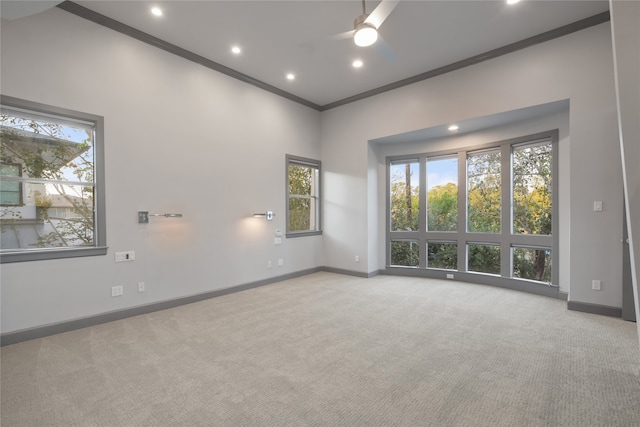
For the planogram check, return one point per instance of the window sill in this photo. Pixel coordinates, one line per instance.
(53, 253)
(303, 234)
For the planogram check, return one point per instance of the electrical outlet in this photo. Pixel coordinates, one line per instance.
(280, 262)
(597, 206)
(595, 285)
(357, 258)
(141, 287)
(116, 291)
(125, 256)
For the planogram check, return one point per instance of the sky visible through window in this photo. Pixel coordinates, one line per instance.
(441, 172)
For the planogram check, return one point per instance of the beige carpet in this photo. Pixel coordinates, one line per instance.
(332, 350)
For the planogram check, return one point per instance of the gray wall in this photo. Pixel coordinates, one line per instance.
(577, 67)
(178, 138)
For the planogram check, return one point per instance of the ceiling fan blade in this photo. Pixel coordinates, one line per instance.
(380, 13)
(383, 48)
(342, 36)
(20, 9)
(311, 46)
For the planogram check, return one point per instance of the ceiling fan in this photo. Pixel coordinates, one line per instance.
(365, 32)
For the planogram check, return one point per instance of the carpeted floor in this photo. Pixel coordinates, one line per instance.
(333, 350)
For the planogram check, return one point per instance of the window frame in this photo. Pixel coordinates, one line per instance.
(506, 239)
(99, 232)
(305, 162)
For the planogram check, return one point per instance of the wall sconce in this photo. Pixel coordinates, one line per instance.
(268, 215)
(143, 216)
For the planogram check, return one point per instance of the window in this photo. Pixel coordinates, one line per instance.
(443, 255)
(532, 264)
(51, 181)
(487, 210)
(483, 258)
(483, 191)
(405, 188)
(405, 253)
(303, 196)
(442, 194)
(532, 188)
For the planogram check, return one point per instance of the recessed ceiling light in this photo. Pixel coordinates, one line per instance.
(156, 11)
(454, 128)
(291, 76)
(236, 50)
(512, 1)
(357, 63)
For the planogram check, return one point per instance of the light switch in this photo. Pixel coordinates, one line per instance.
(597, 206)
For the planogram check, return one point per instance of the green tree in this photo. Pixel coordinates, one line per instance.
(405, 253)
(442, 207)
(484, 258)
(443, 255)
(483, 192)
(405, 214)
(532, 180)
(405, 201)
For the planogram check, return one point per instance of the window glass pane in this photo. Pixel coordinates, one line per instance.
(56, 158)
(442, 255)
(405, 253)
(483, 258)
(300, 179)
(483, 192)
(9, 190)
(53, 215)
(302, 196)
(299, 214)
(532, 176)
(532, 264)
(442, 194)
(405, 195)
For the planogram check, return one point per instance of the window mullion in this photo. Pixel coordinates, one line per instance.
(422, 207)
(506, 217)
(462, 211)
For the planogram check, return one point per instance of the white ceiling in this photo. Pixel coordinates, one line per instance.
(278, 37)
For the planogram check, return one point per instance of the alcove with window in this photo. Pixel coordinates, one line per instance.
(485, 213)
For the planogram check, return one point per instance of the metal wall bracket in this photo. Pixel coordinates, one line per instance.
(143, 217)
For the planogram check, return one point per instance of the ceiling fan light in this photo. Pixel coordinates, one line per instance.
(365, 35)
